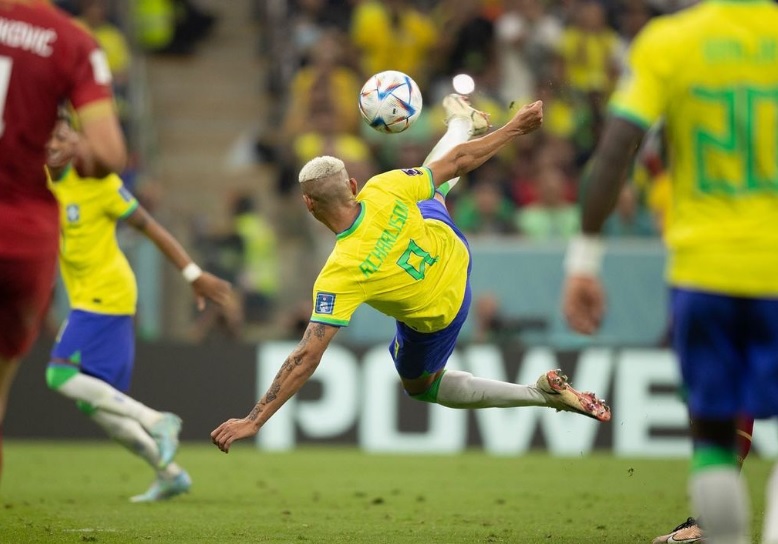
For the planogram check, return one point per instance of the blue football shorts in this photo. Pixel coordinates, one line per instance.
(99, 345)
(416, 353)
(728, 351)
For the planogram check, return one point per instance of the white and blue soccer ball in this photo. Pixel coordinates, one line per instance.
(390, 101)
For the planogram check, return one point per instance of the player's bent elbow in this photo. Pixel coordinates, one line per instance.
(311, 363)
(449, 170)
(304, 360)
(464, 163)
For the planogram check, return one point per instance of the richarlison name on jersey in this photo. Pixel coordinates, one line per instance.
(24, 36)
(386, 241)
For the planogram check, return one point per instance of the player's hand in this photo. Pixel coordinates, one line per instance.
(208, 286)
(583, 303)
(529, 117)
(230, 431)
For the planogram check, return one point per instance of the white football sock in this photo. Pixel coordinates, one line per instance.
(457, 132)
(132, 436)
(463, 390)
(770, 532)
(720, 500)
(105, 397)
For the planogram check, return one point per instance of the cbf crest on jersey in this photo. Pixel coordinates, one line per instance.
(73, 213)
(325, 303)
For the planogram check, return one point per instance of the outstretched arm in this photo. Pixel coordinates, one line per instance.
(295, 371)
(468, 156)
(584, 297)
(204, 284)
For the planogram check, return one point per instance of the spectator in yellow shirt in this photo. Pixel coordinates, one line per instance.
(590, 52)
(393, 35)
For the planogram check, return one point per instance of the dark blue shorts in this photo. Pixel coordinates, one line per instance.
(728, 350)
(99, 345)
(416, 353)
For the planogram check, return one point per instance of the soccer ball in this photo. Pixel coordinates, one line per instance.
(390, 101)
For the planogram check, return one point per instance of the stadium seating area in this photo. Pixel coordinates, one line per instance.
(569, 54)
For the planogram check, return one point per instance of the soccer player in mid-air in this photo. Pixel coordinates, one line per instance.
(93, 357)
(45, 59)
(398, 250)
(719, 101)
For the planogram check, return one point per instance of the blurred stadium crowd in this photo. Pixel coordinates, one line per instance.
(567, 52)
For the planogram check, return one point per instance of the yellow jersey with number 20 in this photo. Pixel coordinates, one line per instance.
(711, 72)
(407, 267)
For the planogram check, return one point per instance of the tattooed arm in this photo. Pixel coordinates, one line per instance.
(298, 367)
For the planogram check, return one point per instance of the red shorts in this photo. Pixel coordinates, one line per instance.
(26, 286)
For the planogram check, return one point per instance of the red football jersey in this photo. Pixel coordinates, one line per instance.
(45, 60)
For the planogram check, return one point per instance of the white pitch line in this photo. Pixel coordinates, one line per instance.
(89, 530)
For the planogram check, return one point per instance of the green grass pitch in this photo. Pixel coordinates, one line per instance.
(75, 492)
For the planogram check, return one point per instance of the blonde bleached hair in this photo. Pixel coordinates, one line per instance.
(321, 168)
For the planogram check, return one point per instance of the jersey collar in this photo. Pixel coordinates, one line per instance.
(355, 224)
(63, 175)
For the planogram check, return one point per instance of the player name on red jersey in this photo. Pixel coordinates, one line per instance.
(21, 35)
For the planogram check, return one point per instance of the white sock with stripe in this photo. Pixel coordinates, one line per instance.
(105, 397)
(463, 390)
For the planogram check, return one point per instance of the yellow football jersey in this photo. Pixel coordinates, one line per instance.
(711, 72)
(407, 267)
(95, 272)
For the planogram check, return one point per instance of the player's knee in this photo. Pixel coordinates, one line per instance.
(431, 393)
(57, 375)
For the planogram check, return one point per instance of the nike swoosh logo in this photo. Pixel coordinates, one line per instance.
(671, 540)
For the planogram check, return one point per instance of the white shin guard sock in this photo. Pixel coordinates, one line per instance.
(721, 501)
(463, 390)
(458, 132)
(105, 397)
(132, 436)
